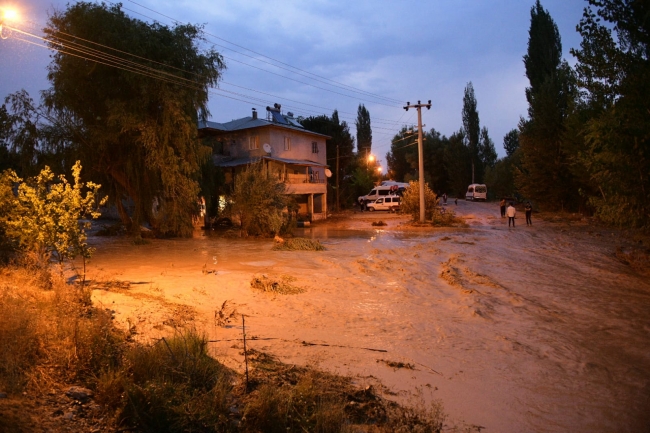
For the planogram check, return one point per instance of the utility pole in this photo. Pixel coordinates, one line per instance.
(419, 106)
(337, 178)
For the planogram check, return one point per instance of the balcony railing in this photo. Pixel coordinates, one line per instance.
(302, 178)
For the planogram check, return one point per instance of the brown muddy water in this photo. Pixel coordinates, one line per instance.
(532, 329)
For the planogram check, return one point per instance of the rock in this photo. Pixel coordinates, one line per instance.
(68, 416)
(3, 395)
(79, 393)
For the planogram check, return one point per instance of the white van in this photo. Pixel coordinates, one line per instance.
(476, 191)
(377, 192)
(389, 203)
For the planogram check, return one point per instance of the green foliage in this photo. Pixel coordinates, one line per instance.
(458, 164)
(172, 386)
(511, 142)
(472, 128)
(44, 215)
(410, 203)
(615, 74)
(487, 152)
(403, 158)
(500, 178)
(364, 131)
(342, 141)
(138, 132)
(258, 200)
(545, 174)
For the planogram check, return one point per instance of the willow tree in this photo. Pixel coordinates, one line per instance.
(133, 92)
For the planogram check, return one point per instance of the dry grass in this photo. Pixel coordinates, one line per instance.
(298, 244)
(282, 285)
(54, 338)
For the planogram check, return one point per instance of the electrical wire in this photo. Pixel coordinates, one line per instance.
(301, 71)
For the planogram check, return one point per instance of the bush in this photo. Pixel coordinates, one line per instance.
(410, 203)
(258, 200)
(44, 214)
(174, 386)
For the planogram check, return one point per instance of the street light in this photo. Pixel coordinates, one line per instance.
(7, 15)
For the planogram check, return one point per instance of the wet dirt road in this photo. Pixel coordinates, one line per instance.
(536, 329)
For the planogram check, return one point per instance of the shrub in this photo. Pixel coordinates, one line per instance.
(44, 214)
(175, 386)
(410, 203)
(258, 201)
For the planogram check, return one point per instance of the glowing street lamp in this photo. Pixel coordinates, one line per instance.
(7, 15)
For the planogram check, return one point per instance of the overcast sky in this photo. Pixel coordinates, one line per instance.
(401, 51)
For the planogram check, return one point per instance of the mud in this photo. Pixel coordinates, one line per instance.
(536, 328)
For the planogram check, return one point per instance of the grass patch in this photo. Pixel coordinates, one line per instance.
(282, 286)
(52, 339)
(298, 244)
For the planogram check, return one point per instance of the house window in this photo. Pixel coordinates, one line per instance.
(253, 142)
(314, 147)
(287, 143)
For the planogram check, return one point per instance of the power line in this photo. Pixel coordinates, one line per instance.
(337, 84)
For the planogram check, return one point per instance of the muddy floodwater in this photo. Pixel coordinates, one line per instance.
(531, 329)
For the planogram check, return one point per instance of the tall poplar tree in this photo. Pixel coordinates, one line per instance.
(472, 127)
(545, 173)
(364, 131)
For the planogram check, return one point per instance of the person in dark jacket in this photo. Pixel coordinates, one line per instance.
(529, 210)
(502, 205)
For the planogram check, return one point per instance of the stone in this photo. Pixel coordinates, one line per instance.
(79, 393)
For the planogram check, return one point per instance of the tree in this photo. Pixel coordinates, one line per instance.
(471, 126)
(410, 203)
(364, 131)
(257, 200)
(458, 162)
(511, 142)
(340, 140)
(134, 119)
(615, 75)
(546, 173)
(487, 152)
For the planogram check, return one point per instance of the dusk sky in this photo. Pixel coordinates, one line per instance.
(344, 51)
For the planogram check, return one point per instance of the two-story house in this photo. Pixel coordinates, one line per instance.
(289, 151)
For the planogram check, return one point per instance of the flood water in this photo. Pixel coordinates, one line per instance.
(532, 329)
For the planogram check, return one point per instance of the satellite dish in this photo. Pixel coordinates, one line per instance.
(267, 147)
(328, 172)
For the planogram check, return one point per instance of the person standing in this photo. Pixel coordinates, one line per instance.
(529, 211)
(511, 212)
(503, 207)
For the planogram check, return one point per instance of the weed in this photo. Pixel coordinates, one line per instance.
(282, 286)
(300, 244)
(224, 315)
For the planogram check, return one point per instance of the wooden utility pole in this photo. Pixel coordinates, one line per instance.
(419, 106)
(337, 178)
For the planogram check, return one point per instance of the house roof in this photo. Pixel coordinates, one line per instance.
(279, 120)
(251, 160)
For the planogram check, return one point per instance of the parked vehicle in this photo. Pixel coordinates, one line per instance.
(476, 191)
(389, 203)
(380, 191)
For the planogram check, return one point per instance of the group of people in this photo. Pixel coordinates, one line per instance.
(510, 212)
